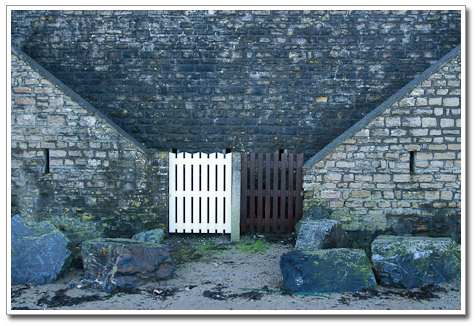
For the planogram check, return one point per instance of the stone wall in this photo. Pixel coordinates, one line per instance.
(259, 80)
(399, 169)
(76, 168)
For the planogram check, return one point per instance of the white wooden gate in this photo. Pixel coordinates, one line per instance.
(200, 193)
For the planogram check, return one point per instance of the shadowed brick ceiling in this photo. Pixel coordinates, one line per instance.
(240, 80)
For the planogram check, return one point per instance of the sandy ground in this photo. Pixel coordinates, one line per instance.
(228, 278)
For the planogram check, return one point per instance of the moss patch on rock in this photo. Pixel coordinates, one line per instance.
(327, 270)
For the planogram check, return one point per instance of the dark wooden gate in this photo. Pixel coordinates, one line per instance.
(271, 192)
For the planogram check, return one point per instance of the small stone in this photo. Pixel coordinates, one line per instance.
(321, 99)
(321, 234)
(317, 212)
(151, 236)
(314, 213)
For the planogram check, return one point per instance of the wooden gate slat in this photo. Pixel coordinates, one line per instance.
(244, 188)
(227, 202)
(172, 199)
(283, 192)
(275, 191)
(195, 189)
(290, 196)
(299, 165)
(252, 191)
(267, 205)
(204, 200)
(259, 215)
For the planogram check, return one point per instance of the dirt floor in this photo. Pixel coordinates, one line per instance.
(213, 274)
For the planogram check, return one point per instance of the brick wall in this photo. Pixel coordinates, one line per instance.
(399, 169)
(242, 80)
(73, 166)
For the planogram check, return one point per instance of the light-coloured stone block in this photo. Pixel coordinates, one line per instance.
(447, 123)
(411, 122)
(429, 122)
(451, 101)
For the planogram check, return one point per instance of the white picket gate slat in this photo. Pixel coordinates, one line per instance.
(200, 193)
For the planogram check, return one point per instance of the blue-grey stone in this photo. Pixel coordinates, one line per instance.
(317, 212)
(327, 270)
(124, 263)
(151, 236)
(408, 262)
(40, 252)
(321, 234)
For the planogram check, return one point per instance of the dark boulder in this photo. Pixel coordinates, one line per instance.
(408, 262)
(124, 263)
(329, 270)
(40, 253)
(321, 234)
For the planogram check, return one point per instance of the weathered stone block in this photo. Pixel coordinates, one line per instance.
(360, 193)
(320, 234)
(56, 101)
(21, 90)
(428, 122)
(447, 123)
(56, 120)
(39, 251)
(405, 261)
(451, 101)
(25, 100)
(421, 101)
(329, 270)
(411, 122)
(151, 236)
(124, 263)
(317, 212)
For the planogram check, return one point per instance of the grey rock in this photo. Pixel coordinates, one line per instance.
(408, 262)
(327, 270)
(124, 263)
(321, 234)
(151, 236)
(317, 212)
(40, 253)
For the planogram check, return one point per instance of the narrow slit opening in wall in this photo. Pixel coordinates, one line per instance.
(46, 161)
(412, 162)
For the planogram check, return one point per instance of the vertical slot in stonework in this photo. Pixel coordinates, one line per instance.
(46, 161)
(412, 162)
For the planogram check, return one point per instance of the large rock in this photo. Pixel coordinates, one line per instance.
(124, 263)
(329, 270)
(406, 261)
(321, 234)
(314, 213)
(151, 236)
(40, 252)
